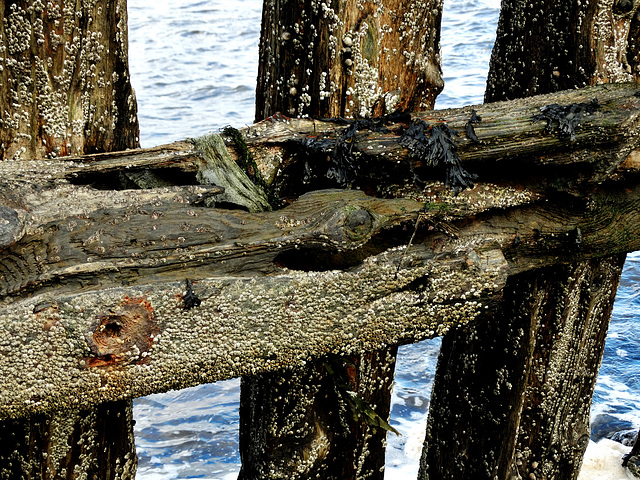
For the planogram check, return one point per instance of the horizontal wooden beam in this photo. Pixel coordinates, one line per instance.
(111, 293)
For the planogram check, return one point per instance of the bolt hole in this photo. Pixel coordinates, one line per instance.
(112, 328)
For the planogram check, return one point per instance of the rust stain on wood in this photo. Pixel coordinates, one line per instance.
(123, 335)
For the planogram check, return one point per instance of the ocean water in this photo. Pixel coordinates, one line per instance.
(193, 66)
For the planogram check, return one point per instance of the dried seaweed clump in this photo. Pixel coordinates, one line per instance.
(471, 132)
(343, 166)
(190, 299)
(434, 146)
(567, 116)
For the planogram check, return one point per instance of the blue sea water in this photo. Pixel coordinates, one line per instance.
(193, 66)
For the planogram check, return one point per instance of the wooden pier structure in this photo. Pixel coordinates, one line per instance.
(300, 251)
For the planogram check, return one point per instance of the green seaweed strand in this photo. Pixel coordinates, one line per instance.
(248, 164)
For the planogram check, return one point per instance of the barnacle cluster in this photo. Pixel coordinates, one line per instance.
(242, 326)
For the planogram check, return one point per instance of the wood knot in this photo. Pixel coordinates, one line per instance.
(11, 227)
(123, 335)
(358, 223)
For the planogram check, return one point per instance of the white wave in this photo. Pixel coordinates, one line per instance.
(403, 452)
(603, 461)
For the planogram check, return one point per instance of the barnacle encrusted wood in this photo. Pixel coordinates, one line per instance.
(93, 274)
(65, 86)
(348, 58)
(123, 334)
(243, 325)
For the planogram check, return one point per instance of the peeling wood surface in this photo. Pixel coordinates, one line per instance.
(510, 141)
(93, 280)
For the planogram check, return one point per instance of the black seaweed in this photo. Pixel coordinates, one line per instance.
(343, 167)
(517, 240)
(190, 298)
(567, 116)
(471, 133)
(437, 149)
(475, 118)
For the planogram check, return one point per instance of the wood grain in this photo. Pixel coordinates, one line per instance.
(333, 271)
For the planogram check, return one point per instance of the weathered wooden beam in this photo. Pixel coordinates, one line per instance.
(512, 146)
(96, 305)
(247, 321)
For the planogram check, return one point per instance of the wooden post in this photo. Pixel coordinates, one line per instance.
(300, 424)
(95, 297)
(512, 393)
(340, 59)
(93, 443)
(65, 86)
(544, 46)
(347, 58)
(65, 89)
(513, 390)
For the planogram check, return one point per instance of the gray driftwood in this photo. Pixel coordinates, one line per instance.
(95, 301)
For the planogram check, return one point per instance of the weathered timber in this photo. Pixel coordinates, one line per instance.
(65, 86)
(544, 47)
(300, 418)
(335, 59)
(502, 389)
(513, 147)
(348, 58)
(97, 442)
(328, 274)
(245, 324)
(65, 89)
(519, 383)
